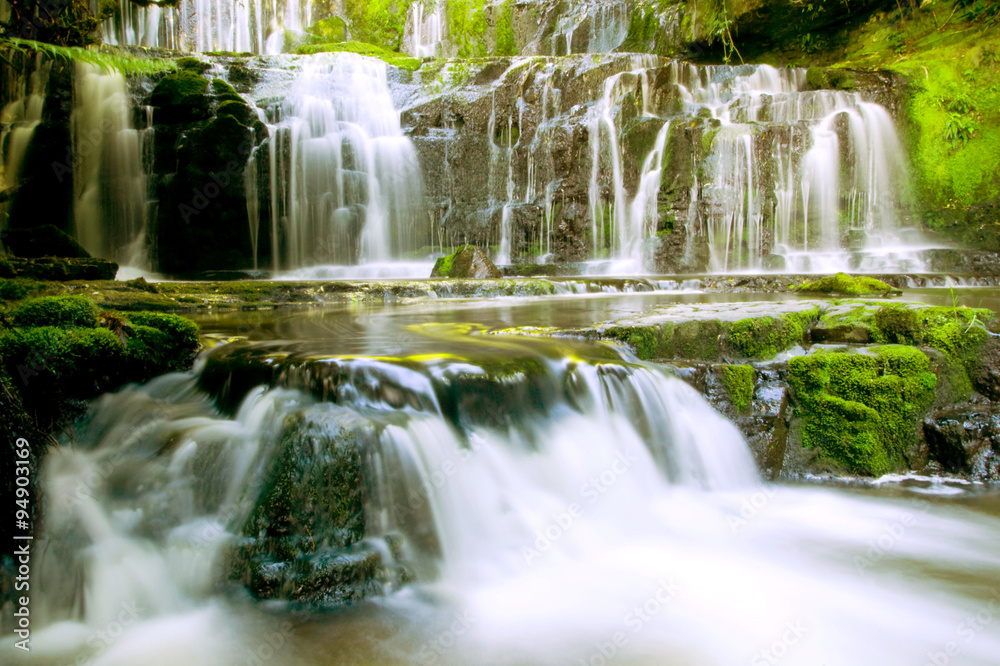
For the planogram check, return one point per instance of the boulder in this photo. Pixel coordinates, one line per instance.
(468, 262)
(42, 241)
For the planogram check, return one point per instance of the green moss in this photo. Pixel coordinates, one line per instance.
(330, 30)
(897, 323)
(861, 412)
(766, 337)
(178, 89)
(642, 27)
(361, 48)
(56, 311)
(819, 78)
(378, 22)
(17, 288)
(220, 87)
(697, 340)
(645, 341)
(181, 341)
(192, 64)
(241, 111)
(506, 46)
(444, 266)
(843, 284)
(738, 381)
(466, 23)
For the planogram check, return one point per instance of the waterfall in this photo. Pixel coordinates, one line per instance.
(111, 160)
(18, 119)
(773, 188)
(565, 502)
(426, 28)
(255, 26)
(345, 185)
(619, 225)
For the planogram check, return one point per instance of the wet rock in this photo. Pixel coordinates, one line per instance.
(469, 262)
(57, 269)
(42, 241)
(985, 371)
(966, 440)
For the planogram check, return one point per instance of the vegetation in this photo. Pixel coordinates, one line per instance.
(391, 57)
(843, 284)
(860, 410)
(738, 380)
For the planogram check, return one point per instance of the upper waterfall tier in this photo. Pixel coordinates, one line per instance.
(667, 166)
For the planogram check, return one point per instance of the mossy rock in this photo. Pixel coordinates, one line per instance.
(238, 110)
(221, 87)
(765, 337)
(738, 380)
(181, 97)
(467, 262)
(899, 324)
(828, 78)
(645, 341)
(56, 311)
(393, 58)
(332, 30)
(861, 411)
(194, 65)
(843, 284)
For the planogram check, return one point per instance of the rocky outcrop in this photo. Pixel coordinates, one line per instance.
(205, 135)
(469, 262)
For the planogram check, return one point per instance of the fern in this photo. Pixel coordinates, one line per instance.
(108, 62)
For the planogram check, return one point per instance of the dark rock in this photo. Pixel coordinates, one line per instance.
(42, 241)
(985, 372)
(469, 262)
(966, 440)
(61, 270)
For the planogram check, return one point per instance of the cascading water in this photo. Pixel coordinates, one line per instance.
(255, 26)
(426, 28)
(18, 120)
(555, 502)
(792, 171)
(607, 24)
(111, 190)
(345, 183)
(781, 177)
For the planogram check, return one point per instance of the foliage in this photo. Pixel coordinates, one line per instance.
(861, 411)
(738, 381)
(846, 285)
(56, 311)
(378, 22)
(106, 60)
(466, 21)
(506, 46)
(391, 57)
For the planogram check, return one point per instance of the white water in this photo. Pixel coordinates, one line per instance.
(776, 187)
(617, 517)
(110, 163)
(255, 26)
(345, 182)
